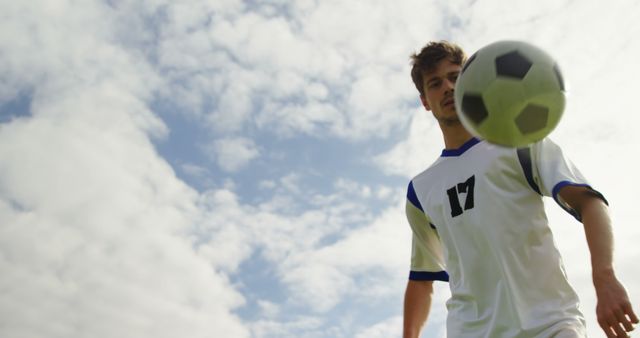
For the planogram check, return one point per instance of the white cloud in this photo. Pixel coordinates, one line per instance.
(269, 309)
(289, 119)
(354, 188)
(391, 327)
(194, 170)
(234, 107)
(292, 75)
(422, 146)
(94, 223)
(274, 329)
(232, 154)
(267, 184)
(222, 236)
(319, 286)
(322, 277)
(291, 183)
(316, 257)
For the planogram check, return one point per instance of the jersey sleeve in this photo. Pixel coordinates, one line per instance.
(427, 261)
(554, 171)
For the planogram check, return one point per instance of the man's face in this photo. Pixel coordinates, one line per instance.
(438, 91)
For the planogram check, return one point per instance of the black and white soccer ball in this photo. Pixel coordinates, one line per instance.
(510, 93)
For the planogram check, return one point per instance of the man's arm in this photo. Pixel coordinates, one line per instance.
(614, 311)
(417, 302)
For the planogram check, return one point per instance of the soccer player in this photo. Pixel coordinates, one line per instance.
(478, 222)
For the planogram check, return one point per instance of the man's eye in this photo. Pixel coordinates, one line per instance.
(434, 84)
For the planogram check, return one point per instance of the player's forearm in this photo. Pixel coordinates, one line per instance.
(597, 226)
(614, 311)
(417, 302)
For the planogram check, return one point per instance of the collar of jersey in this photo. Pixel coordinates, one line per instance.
(457, 152)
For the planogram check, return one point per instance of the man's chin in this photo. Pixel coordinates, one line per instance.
(450, 120)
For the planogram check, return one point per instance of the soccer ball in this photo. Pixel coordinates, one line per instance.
(510, 93)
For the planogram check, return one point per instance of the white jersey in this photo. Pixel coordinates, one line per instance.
(478, 221)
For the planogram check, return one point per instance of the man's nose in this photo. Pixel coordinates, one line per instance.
(449, 85)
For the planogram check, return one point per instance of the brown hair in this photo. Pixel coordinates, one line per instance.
(426, 61)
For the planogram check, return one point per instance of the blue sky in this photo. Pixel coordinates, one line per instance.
(238, 168)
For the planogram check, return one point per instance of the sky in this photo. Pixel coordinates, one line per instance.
(231, 168)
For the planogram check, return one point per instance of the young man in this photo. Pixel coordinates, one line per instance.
(478, 222)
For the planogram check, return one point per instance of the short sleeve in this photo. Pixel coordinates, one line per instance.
(427, 262)
(554, 171)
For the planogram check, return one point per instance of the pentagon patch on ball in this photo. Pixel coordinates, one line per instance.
(510, 93)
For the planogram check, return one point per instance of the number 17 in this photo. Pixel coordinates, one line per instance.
(453, 192)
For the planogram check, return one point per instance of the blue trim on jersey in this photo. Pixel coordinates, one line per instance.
(556, 191)
(428, 275)
(457, 152)
(412, 197)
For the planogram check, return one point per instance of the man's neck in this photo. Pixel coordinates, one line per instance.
(454, 135)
